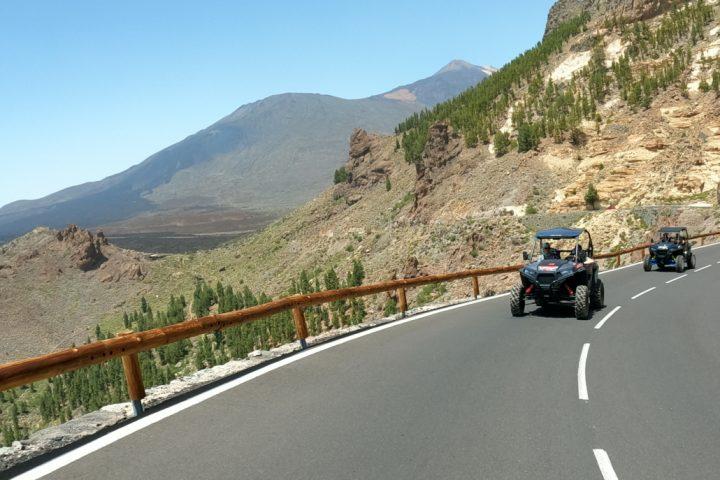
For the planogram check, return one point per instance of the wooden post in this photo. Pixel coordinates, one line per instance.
(476, 287)
(617, 261)
(300, 326)
(702, 241)
(402, 300)
(133, 377)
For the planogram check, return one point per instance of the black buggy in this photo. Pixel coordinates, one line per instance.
(560, 271)
(672, 250)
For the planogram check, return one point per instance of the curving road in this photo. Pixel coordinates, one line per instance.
(468, 392)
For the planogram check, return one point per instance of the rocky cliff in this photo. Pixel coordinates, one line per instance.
(564, 10)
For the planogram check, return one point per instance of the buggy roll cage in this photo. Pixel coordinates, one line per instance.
(677, 235)
(562, 234)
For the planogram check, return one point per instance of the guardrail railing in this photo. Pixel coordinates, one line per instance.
(127, 345)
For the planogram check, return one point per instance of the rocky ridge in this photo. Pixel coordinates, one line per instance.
(633, 10)
(55, 285)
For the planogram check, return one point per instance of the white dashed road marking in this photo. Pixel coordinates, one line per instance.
(677, 278)
(603, 462)
(605, 319)
(703, 268)
(643, 293)
(582, 383)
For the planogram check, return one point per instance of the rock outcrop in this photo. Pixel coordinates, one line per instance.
(564, 10)
(86, 250)
(443, 145)
(365, 167)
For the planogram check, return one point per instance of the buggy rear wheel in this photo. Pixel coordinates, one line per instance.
(517, 300)
(598, 296)
(680, 263)
(582, 302)
(691, 261)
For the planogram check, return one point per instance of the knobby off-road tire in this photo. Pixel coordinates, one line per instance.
(691, 261)
(647, 266)
(517, 300)
(680, 264)
(598, 295)
(582, 302)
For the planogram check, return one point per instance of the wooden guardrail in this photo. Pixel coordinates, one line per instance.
(127, 345)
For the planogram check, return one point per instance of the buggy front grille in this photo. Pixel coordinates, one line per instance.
(545, 278)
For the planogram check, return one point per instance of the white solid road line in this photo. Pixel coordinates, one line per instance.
(702, 268)
(582, 383)
(677, 278)
(643, 293)
(603, 462)
(154, 417)
(602, 322)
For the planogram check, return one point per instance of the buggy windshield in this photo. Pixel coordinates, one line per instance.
(562, 244)
(671, 234)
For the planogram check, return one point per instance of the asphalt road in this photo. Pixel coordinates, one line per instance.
(467, 393)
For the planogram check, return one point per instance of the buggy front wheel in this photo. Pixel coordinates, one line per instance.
(517, 300)
(582, 302)
(647, 266)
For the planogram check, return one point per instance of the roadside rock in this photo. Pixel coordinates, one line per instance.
(689, 184)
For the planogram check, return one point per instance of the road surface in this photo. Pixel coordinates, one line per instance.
(465, 393)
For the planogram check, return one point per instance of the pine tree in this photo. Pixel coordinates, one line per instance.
(501, 144)
(357, 275)
(528, 138)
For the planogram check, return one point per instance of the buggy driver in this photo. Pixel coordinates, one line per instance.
(548, 252)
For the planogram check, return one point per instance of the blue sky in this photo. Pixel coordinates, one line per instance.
(90, 88)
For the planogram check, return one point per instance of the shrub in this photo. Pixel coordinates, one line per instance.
(341, 175)
(390, 307)
(578, 137)
(591, 196)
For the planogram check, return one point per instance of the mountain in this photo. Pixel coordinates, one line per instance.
(264, 158)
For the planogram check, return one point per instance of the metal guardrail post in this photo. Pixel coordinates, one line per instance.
(402, 301)
(300, 326)
(476, 287)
